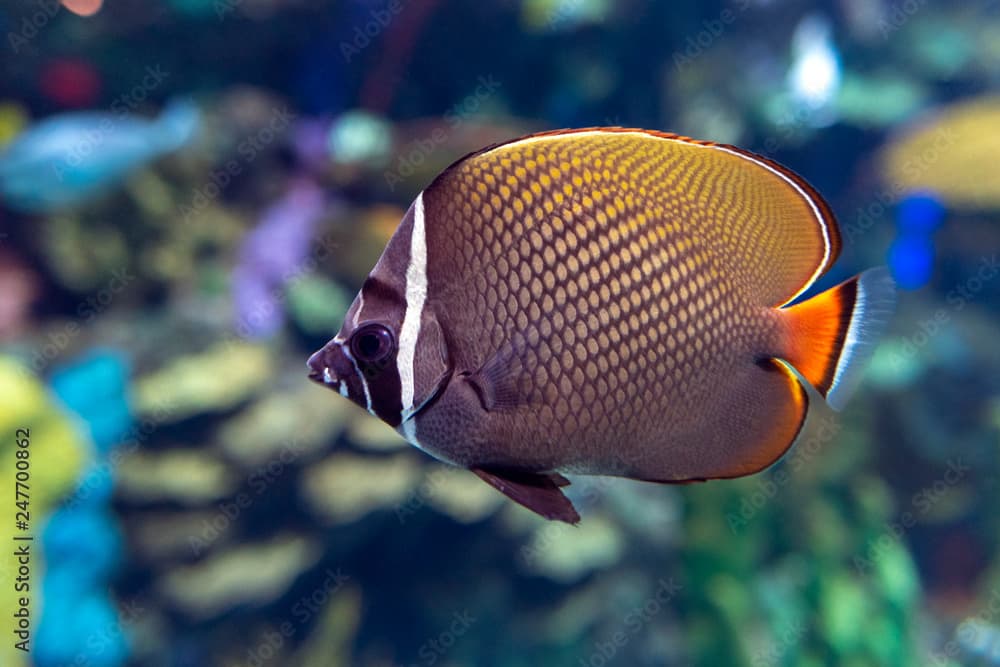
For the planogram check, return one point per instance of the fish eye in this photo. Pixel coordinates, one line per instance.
(373, 344)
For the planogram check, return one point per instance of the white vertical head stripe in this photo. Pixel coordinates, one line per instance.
(361, 376)
(416, 295)
(361, 306)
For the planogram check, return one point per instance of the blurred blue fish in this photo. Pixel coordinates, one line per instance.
(66, 159)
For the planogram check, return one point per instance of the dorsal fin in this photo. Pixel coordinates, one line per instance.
(778, 231)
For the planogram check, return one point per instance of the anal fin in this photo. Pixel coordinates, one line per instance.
(539, 492)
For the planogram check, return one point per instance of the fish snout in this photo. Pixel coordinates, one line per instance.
(319, 368)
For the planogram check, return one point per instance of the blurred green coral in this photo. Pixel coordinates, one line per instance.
(249, 573)
(304, 414)
(217, 379)
(346, 487)
(815, 556)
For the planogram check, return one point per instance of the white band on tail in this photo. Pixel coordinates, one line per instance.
(873, 306)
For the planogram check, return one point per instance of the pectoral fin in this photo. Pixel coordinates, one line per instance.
(539, 492)
(505, 380)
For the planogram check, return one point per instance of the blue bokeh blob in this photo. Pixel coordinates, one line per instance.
(911, 255)
(911, 260)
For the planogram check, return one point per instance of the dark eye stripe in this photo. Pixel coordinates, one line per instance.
(381, 292)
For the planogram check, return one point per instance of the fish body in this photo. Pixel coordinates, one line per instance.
(607, 302)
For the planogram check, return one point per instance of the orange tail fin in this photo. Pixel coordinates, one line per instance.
(832, 336)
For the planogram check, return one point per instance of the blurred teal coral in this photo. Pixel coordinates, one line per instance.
(359, 136)
(317, 304)
(54, 436)
(81, 541)
(879, 100)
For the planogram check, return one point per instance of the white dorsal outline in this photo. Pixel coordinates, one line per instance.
(824, 225)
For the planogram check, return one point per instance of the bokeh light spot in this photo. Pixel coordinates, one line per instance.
(911, 260)
(83, 7)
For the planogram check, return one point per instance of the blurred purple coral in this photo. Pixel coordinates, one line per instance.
(310, 141)
(272, 255)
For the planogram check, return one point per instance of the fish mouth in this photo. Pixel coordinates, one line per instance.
(319, 372)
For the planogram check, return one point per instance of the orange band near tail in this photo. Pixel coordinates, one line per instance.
(832, 335)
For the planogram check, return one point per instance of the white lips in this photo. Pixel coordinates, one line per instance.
(327, 378)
